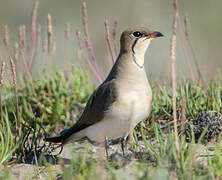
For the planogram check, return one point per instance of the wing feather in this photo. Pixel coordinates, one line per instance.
(99, 102)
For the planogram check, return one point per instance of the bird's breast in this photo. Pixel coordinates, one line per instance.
(131, 106)
(134, 98)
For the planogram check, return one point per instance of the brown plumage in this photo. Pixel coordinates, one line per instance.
(107, 113)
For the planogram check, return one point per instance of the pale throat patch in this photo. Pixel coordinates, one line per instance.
(139, 50)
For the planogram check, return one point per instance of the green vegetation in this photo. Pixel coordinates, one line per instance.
(46, 103)
(54, 100)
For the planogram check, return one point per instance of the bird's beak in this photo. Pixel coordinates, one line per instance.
(156, 34)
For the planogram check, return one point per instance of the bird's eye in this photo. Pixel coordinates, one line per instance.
(137, 34)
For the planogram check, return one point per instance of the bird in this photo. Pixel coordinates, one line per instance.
(108, 110)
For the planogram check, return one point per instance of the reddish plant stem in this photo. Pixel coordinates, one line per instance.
(86, 57)
(174, 82)
(22, 46)
(49, 33)
(185, 50)
(38, 37)
(88, 41)
(67, 30)
(109, 41)
(14, 77)
(192, 50)
(183, 114)
(1, 84)
(115, 26)
(33, 35)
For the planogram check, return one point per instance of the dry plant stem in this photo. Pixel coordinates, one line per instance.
(22, 46)
(109, 43)
(49, 21)
(67, 31)
(192, 50)
(6, 41)
(192, 164)
(174, 83)
(88, 42)
(44, 45)
(183, 114)
(33, 24)
(16, 52)
(1, 85)
(14, 76)
(45, 54)
(6, 36)
(86, 57)
(185, 50)
(54, 48)
(115, 25)
(48, 61)
(13, 70)
(33, 35)
(38, 37)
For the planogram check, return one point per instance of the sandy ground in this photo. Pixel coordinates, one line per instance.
(30, 171)
(22, 171)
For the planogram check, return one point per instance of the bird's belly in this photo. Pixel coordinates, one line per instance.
(136, 105)
(125, 113)
(108, 128)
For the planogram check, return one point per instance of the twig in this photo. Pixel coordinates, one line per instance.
(54, 48)
(22, 46)
(183, 114)
(1, 85)
(6, 36)
(16, 53)
(49, 33)
(67, 31)
(44, 45)
(191, 48)
(85, 56)
(185, 50)
(14, 76)
(174, 83)
(109, 41)
(33, 35)
(49, 21)
(33, 24)
(88, 42)
(38, 37)
(13, 70)
(115, 25)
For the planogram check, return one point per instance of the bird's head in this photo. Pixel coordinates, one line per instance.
(137, 39)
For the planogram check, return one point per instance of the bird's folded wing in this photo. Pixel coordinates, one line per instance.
(99, 102)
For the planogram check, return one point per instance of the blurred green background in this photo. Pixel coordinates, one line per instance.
(205, 27)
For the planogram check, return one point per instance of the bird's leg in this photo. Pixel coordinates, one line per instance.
(123, 144)
(106, 147)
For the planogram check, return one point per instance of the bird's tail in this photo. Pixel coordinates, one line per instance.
(67, 136)
(55, 139)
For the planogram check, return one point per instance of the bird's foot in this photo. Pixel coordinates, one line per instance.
(106, 147)
(123, 144)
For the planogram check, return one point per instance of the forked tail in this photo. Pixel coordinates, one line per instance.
(55, 139)
(67, 135)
